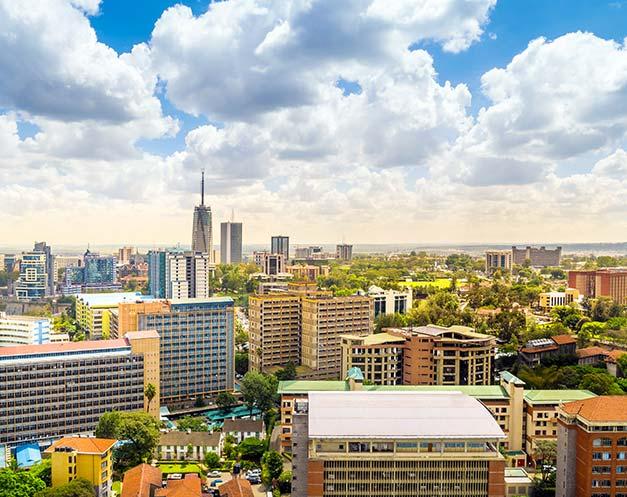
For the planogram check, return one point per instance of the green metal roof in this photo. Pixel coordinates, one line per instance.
(510, 378)
(556, 396)
(488, 392)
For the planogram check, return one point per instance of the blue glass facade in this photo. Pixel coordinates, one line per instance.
(33, 280)
(98, 270)
(197, 348)
(156, 273)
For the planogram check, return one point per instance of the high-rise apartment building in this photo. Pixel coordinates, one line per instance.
(230, 243)
(498, 259)
(175, 274)
(273, 264)
(344, 252)
(124, 255)
(592, 448)
(311, 252)
(274, 330)
(202, 235)
(606, 282)
(395, 443)
(324, 320)
(379, 357)
(537, 257)
(196, 345)
(60, 389)
(23, 330)
(33, 281)
(46, 249)
(280, 244)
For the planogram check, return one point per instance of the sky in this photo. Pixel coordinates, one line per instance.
(368, 121)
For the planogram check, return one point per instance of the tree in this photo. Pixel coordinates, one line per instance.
(138, 430)
(212, 460)
(285, 482)
(241, 362)
(605, 308)
(259, 390)
(150, 393)
(225, 400)
(287, 373)
(191, 423)
(546, 455)
(76, 488)
(16, 483)
(272, 463)
(251, 449)
(601, 384)
(622, 364)
(389, 321)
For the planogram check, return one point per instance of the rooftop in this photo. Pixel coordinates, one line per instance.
(484, 392)
(26, 455)
(202, 300)
(237, 487)
(592, 352)
(190, 486)
(137, 335)
(437, 331)
(29, 319)
(564, 339)
(243, 425)
(83, 445)
(604, 409)
(139, 480)
(375, 339)
(556, 396)
(111, 299)
(197, 438)
(61, 347)
(427, 415)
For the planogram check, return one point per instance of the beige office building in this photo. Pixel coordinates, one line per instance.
(274, 333)
(324, 320)
(378, 356)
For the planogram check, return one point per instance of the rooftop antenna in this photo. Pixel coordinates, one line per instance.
(232, 214)
(202, 187)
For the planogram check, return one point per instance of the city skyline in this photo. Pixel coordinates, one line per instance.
(428, 122)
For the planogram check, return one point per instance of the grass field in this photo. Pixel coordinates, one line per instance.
(167, 468)
(441, 283)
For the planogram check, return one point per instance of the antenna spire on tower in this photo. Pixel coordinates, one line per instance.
(202, 187)
(232, 214)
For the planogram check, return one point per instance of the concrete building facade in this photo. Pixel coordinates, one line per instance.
(230, 243)
(324, 320)
(379, 357)
(352, 443)
(60, 389)
(498, 259)
(23, 330)
(280, 244)
(537, 257)
(608, 282)
(91, 310)
(32, 283)
(390, 301)
(344, 252)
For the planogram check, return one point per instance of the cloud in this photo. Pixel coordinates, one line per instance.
(612, 166)
(244, 58)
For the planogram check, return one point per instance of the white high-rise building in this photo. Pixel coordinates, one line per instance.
(177, 284)
(23, 330)
(187, 275)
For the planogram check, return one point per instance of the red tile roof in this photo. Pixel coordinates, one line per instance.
(61, 347)
(591, 352)
(190, 486)
(609, 408)
(236, 488)
(83, 445)
(564, 339)
(139, 480)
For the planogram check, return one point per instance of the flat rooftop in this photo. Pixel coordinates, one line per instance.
(61, 347)
(111, 299)
(410, 415)
(535, 397)
(375, 338)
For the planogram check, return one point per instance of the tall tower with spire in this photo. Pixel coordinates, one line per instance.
(202, 238)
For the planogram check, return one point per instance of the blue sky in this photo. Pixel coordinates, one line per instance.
(369, 120)
(513, 23)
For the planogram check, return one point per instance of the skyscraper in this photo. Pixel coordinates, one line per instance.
(230, 243)
(43, 247)
(177, 274)
(202, 239)
(280, 244)
(344, 252)
(33, 280)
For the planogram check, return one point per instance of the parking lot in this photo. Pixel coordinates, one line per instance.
(258, 490)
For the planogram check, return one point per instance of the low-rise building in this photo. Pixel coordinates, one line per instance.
(141, 481)
(390, 301)
(534, 351)
(402, 443)
(83, 457)
(237, 487)
(187, 446)
(548, 300)
(589, 356)
(188, 486)
(518, 483)
(308, 272)
(23, 330)
(592, 448)
(240, 429)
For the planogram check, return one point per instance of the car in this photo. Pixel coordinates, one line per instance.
(254, 479)
(217, 482)
(255, 471)
(215, 474)
(175, 476)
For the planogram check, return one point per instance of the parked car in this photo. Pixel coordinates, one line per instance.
(215, 474)
(175, 476)
(215, 483)
(254, 479)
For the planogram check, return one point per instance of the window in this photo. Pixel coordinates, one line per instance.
(601, 456)
(601, 483)
(621, 456)
(622, 442)
(602, 442)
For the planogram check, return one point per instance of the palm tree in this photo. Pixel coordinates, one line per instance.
(150, 391)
